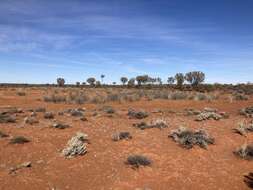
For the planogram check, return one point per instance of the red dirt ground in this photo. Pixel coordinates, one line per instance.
(103, 166)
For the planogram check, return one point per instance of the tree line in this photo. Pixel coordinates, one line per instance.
(194, 78)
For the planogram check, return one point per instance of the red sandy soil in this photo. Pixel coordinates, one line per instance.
(103, 166)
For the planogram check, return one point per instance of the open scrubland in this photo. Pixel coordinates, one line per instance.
(125, 138)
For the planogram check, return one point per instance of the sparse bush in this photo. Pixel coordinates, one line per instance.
(188, 138)
(138, 160)
(137, 114)
(31, 120)
(177, 95)
(248, 179)
(19, 140)
(49, 115)
(60, 126)
(159, 123)
(6, 118)
(245, 151)
(121, 136)
(248, 112)
(55, 98)
(76, 145)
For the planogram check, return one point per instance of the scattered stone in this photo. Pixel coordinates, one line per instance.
(188, 138)
(121, 136)
(76, 145)
(49, 115)
(31, 120)
(137, 114)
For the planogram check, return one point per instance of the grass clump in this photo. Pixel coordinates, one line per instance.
(188, 138)
(138, 160)
(245, 151)
(19, 140)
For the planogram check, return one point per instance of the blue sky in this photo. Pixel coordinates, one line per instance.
(41, 40)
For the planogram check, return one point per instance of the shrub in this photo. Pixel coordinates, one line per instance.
(19, 140)
(137, 114)
(49, 115)
(60, 126)
(178, 95)
(76, 145)
(245, 151)
(138, 160)
(171, 80)
(6, 118)
(55, 98)
(248, 179)
(188, 138)
(159, 123)
(121, 136)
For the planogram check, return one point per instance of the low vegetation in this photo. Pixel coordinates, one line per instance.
(121, 136)
(188, 138)
(76, 145)
(138, 160)
(245, 152)
(19, 140)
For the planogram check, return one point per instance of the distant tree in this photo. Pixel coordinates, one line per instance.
(98, 83)
(131, 82)
(60, 81)
(179, 77)
(159, 80)
(124, 80)
(142, 79)
(171, 80)
(102, 77)
(195, 77)
(114, 83)
(91, 81)
(77, 83)
(83, 83)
